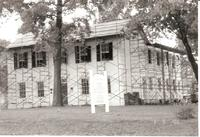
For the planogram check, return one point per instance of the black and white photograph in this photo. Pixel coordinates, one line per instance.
(99, 67)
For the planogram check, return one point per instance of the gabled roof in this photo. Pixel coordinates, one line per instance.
(24, 41)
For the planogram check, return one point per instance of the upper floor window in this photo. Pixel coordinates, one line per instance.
(167, 58)
(20, 60)
(64, 57)
(158, 58)
(105, 51)
(82, 54)
(22, 90)
(149, 56)
(40, 89)
(38, 59)
(173, 61)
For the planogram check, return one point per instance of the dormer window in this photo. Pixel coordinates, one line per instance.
(20, 60)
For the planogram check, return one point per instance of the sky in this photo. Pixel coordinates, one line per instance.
(9, 29)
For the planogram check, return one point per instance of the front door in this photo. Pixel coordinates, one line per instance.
(64, 93)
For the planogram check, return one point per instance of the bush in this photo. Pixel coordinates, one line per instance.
(187, 112)
(194, 98)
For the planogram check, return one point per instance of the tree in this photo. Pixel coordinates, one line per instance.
(153, 17)
(174, 16)
(44, 19)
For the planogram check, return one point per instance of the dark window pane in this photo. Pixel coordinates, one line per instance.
(167, 58)
(158, 58)
(109, 86)
(149, 56)
(33, 60)
(98, 53)
(40, 89)
(85, 86)
(77, 54)
(22, 90)
(15, 61)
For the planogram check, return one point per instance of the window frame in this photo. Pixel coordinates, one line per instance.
(85, 86)
(104, 51)
(39, 59)
(40, 85)
(150, 83)
(64, 57)
(20, 60)
(159, 84)
(82, 54)
(22, 90)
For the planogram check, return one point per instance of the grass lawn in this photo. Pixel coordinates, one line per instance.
(124, 120)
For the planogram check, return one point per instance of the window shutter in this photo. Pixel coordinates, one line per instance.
(158, 58)
(98, 53)
(33, 60)
(110, 51)
(44, 58)
(77, 54)
(15, 61)
(89, 53)
(149, 56)
(167, 58)
(26, 59)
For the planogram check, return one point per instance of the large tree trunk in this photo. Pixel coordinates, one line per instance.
(190, 56)
(57, 95)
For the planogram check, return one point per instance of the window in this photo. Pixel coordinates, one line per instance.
(149, 56)
(20, 60)
(144, 83)
(22, 90)
(167, 58)
(39, 59)
(64, 57)
(174, 85)
(109, 86)
(105, 51)
(159, 84)
(168, 86)
(179, 86)
(40, 89)
(82, 54)
(85, 86)
(150, 83)
(173, 61)
(158, 58)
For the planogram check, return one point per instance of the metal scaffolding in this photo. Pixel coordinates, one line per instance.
(130, 72)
